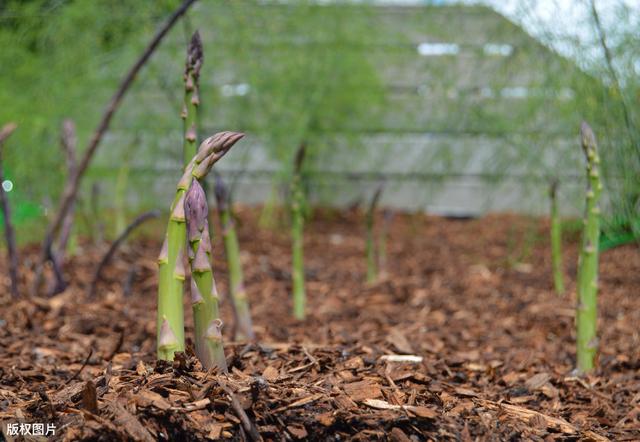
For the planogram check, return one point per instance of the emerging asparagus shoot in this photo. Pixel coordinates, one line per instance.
(170, 324)
(587, 315)
(243, 328)
(195, 58)
(204, 296)
(556, 240)
(297, 233)
(372, 270)
(382, 244)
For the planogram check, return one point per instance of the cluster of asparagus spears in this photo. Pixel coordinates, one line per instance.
(188, 229)
(188, 239)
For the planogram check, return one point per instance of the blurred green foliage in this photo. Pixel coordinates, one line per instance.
(609, 53)
(307, 84)
(58, 60)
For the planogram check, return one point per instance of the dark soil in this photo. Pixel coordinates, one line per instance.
(472, 299)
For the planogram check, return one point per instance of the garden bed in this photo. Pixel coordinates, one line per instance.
(472, 301)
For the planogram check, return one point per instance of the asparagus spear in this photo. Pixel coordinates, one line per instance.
(195, 58)
(382, 243)
(243, 328)
(204, 295)
(171, 257)
(297, 232)
(372, 271)
(556, 240)
(588, 262)
(170, 325)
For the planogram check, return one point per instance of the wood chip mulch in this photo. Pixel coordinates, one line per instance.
(463, 339)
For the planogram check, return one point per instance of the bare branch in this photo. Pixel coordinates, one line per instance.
(114, 246)
(71, 189)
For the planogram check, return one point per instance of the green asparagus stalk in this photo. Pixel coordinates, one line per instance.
(382, 244)
(556, 240)
(170, 325)
(243, 328)
(297, 233)
(204, 295)
(195, 58)
(372, 270)
(588, 262)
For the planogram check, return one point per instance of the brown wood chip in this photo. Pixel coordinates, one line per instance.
(359, 391)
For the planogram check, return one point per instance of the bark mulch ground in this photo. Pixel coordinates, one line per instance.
(491, 345)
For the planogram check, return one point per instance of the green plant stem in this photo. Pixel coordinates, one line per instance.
(382, 243)
(556, 241)
(204, 296)
(170, 324)
(171, 263)
(587, 313)
(297, 232)
(191, 103)
(297, 256)
(371, 252)
(372, 270)
(243, 327)
(297, 237)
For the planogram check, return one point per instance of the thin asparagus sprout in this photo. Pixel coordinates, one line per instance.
(297, 234)
(195, 58)
(556, 240)
(587, 314)
(372, 268)
(243, 327)
(382, 244)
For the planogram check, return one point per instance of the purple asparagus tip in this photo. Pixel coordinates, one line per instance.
(195, 209)
(587, 137)
(218, 143)
(221, 192)
(195, 55)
